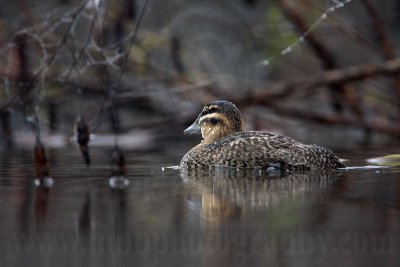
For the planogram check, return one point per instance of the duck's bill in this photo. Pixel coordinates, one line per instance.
(193, 129)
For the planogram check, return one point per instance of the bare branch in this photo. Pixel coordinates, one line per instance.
(339, 91)
(327, 78)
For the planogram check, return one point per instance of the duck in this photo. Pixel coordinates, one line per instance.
(226, 143)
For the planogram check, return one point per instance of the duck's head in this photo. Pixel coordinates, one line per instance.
(216, 120)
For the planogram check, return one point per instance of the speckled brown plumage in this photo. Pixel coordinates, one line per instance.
(225, 143)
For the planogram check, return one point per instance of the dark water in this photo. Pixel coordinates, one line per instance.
(220, 219)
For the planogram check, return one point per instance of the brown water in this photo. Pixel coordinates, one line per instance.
(207, 219)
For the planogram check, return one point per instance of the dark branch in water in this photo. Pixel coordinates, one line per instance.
(83, 138)
(41, 165)
(118, 166)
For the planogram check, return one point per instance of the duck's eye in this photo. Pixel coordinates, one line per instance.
(212, 110)
(213, 121)
(207, 111)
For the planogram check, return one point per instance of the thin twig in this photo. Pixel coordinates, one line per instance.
(132, 39)
(339, 91)
(345, 28)
(63, 41)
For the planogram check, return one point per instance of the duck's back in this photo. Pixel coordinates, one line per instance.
(260, 149)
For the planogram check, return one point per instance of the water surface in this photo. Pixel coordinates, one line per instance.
(221, 218)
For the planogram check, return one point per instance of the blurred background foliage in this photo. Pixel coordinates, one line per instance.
(321, 71)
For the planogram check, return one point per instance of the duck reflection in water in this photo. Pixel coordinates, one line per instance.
(226, 193)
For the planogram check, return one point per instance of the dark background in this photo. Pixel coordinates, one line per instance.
(139, 68)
